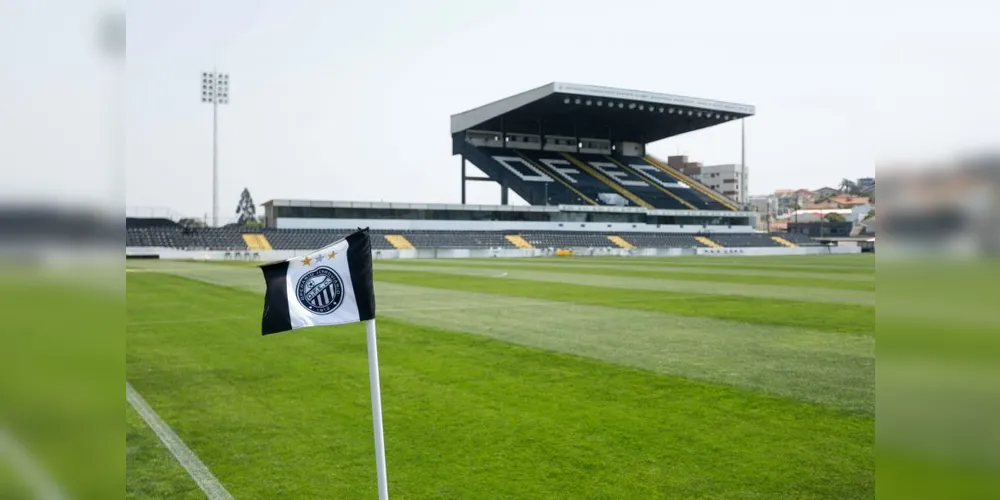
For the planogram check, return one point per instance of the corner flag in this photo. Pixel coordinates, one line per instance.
(332, 286)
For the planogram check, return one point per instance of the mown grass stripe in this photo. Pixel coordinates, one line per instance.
(572, 265)
(712, 275)
(809, 365)
(844, 318)
(803, 294)
(825, 317)
(857, 264)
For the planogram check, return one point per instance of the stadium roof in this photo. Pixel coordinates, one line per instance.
(599, 112)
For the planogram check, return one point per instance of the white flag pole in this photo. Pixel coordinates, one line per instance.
(383, 487)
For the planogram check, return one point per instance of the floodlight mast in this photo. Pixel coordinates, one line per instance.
(215, 91)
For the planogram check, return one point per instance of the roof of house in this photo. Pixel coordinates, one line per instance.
(846, 199)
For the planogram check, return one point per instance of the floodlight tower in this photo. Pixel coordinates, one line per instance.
(215, 91)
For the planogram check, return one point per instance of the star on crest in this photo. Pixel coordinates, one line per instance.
(319, 258)
(307, 261)
(332, 254)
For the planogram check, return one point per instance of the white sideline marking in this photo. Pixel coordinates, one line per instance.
(195, 468)
(27, 467)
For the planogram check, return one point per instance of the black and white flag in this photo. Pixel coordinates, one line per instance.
(332, 286)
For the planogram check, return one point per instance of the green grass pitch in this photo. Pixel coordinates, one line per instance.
(742, 378)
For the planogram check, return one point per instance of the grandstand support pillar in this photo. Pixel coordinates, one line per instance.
(463, 179)
(503, 192)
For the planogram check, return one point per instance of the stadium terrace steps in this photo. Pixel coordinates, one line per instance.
(525, 176)
(781, 241)
(578, 183)
(558, 178)
(726, 202)
(621, 242)
(231, 239)
(744, 240)
(690, 195)
(656, 183)
(518, 241)
(187, 238)
(707, 242)
(799, 239)
(616, 186)
(399, 242)
(256, 241)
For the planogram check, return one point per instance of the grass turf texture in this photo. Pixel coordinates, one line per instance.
(474, 410)
(152, 471)
(61, 359)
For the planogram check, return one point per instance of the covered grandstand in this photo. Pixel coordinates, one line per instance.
(575, 153)
(571, 144)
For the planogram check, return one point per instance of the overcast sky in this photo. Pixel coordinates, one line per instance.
(350, 100)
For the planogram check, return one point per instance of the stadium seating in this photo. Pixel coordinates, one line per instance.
(743, 240)
(300, 239)
(571, 181)
(799, 239)
(566, 239)
(138, 222)
(230, 238)
(224, 238)
(690, 195)
(554, 178)
(308, 239)
(457, 239)
(662, 240)
(636, 181)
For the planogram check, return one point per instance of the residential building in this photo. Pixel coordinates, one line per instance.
(690, 168)
(791, 199)
(729, 180)
(866, 184)
(765, 204)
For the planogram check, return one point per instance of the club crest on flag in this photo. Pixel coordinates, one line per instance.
(320, 290)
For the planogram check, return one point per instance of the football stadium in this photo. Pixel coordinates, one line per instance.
(627, 333)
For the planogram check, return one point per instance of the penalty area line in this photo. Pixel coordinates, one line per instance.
(214, 490)
(44, 487)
